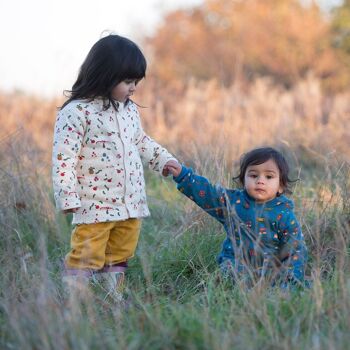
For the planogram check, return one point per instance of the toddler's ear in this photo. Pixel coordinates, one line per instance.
(280, 191)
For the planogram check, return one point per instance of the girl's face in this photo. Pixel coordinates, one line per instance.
(124, 90)
(262, 181)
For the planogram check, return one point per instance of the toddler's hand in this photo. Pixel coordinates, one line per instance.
(173, 168)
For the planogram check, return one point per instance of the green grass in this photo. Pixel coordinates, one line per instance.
(178, 300)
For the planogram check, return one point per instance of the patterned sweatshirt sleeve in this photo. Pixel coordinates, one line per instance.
(155, 155)
(209, 197)
(293, 249)
(68, 136)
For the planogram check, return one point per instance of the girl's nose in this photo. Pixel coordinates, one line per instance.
(133, 87)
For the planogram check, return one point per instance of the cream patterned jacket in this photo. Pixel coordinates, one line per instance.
(96, 162)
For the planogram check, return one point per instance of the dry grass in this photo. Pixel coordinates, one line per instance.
(180, 303)
(207, 114)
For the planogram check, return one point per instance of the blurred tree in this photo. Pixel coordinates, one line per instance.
(235, 39)
(341, 26)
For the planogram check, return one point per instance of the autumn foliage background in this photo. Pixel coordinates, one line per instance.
(246, 73)
(223, 77)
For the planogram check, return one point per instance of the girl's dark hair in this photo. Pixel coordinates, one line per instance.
(110, 61)
(261, 155)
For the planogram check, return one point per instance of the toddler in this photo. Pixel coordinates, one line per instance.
(264, 239)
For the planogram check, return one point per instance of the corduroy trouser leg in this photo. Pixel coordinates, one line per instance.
(94, 246)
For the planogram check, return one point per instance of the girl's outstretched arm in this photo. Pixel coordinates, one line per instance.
(209, 197)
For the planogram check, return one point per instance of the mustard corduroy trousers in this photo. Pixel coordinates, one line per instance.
(94, 246)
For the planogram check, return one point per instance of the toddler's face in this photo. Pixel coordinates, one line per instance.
(262, 181)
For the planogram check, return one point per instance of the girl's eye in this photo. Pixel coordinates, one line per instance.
(269, 177)
(253, 176)
(130, 81)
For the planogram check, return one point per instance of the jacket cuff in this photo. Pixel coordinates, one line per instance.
(184, 172)
(70, 202)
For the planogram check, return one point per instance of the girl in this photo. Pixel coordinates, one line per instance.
(264, 239)
(97, 170)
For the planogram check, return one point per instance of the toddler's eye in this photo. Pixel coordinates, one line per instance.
(253, 176)
(269, 177)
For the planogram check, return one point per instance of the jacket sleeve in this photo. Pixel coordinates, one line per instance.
(68, 137)
(209, 197)
(150, 151)
(293, 252)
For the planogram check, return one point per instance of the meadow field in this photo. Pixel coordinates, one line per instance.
(177, 299)
(224, 77)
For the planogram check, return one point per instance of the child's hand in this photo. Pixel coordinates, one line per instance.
(173, 168)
